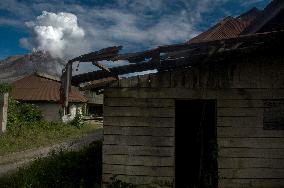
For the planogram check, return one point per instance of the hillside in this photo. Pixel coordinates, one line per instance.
(18, 66)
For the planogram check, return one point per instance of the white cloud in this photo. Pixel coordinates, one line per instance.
(134, 24)
(115, 26)
(57, 34)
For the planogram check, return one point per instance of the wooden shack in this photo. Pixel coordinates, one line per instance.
(212, 115)
(152, 122)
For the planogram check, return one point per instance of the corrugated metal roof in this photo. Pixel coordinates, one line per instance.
(228, 28)
(39, 88)
(270, 19)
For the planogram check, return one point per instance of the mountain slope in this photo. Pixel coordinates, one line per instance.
(18, 66)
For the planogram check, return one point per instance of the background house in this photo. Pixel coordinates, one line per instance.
(94, 91)
(43, 90)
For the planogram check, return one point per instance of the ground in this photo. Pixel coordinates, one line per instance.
(12, 161)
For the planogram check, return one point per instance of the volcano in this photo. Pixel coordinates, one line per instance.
(18, 66)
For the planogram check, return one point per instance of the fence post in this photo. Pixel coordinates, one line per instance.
(3, 111)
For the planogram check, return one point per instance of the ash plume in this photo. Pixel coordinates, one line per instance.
(59, 34)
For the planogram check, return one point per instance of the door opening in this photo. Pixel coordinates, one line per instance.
(195, 144)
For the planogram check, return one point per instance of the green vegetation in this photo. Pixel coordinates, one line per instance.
(27, 130)
(62, 169)
(20, 114)
(67, 169)
(39, 134)
(4, 88)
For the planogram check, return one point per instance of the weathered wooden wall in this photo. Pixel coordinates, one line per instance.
(139, 122)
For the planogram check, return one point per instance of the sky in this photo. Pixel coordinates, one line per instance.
(69, 28)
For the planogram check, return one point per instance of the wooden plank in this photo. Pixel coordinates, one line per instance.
(248, 132)
(248, 183)
(139, 160)
(180, 93)
(140, 180)
(252, 173)
(138, 150)
(240, 103)
(251, 142)
(139, 121)
(138, 140)
(241, 121)
(268, 153)
(257, 112)
(121, 70)
(239, 163)
(114, 84)
(178, 78)
(138, 170)
(139, 111)
(138, 102)
(138, 131)
(129, 82)
(160, 80)
(144, 80)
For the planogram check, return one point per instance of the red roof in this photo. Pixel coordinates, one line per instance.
(228, 28)
(39, 88)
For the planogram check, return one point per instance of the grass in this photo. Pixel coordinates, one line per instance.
(39, 134)
(61, 169)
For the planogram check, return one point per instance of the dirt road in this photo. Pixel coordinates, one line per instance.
(12, 161)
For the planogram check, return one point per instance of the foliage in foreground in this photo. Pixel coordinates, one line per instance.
(5, 88)
(26, 129)
(20, 114)
(63, 169)
(40, 133)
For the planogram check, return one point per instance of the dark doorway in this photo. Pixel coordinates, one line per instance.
(196, 145)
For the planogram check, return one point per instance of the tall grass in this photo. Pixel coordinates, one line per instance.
(61, 169)
(40, 133)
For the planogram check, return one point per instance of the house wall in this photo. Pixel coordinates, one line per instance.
(53, 111)
(139, 121)
(50, 111)
(74, 108)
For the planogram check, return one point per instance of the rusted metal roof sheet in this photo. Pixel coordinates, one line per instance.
(270, 19)
(39, 88)
(228, 28)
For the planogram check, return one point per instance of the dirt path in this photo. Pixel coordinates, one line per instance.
(15, 160)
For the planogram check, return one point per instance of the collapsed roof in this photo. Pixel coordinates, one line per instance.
(244, 37)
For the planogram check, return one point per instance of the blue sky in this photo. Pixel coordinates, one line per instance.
(135, 24)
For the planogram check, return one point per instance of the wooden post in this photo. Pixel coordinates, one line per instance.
(65, 86)
(3, 111)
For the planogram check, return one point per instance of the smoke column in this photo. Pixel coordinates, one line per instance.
(59, 34)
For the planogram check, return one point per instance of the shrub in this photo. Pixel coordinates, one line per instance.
(4, 88)
(22, 113)
(29, 113)
(77, 120)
